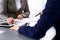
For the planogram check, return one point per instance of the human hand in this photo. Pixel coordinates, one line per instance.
(15, 28)
(20, 17)
(10, 20)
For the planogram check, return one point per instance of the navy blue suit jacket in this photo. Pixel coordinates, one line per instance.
(50, 17)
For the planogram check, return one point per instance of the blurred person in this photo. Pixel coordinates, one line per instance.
(16, 9)
(50, 17)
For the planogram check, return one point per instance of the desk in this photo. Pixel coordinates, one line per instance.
(13, 35)
(7, 34)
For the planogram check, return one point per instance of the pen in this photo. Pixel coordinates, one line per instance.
(38, 14)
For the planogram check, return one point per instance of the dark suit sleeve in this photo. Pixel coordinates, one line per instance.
(46, 20)
(24, 10)
(23, 4)
(38, 31)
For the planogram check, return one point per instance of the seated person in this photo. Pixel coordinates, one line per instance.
(15, 10)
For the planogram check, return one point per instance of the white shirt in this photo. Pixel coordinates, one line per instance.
(18, 4)
(35, 6)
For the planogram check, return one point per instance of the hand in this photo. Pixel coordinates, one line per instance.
(10, 20)
(20, 17)
(15, 28)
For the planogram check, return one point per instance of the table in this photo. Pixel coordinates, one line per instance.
(7, 34)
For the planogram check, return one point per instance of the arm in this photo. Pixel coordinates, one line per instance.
(4, 5)
(40, 28)
(46, 20)
(24, 10)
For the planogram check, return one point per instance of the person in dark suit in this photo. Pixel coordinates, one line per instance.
(50, 17)
(14, 8)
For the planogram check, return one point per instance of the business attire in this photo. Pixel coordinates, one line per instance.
(49, 18)
(14, 7)
(2, 16)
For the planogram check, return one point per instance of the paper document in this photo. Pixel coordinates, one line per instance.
(31, 21)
